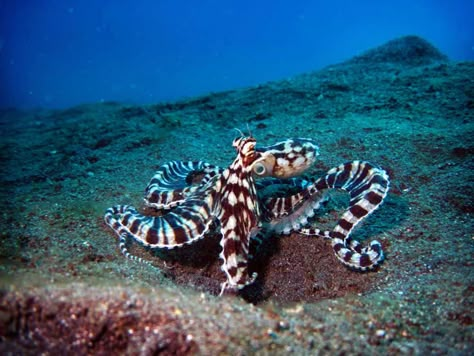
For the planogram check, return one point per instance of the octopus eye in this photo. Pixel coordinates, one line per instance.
(259, 169)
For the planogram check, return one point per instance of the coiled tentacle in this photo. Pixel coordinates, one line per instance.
(367, 185)
(183, 225)
(173, 183)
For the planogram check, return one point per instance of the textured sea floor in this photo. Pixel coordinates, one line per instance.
(65, 287)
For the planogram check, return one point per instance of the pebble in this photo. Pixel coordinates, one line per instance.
(380, 333)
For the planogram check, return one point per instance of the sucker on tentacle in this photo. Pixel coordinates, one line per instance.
(196, 196)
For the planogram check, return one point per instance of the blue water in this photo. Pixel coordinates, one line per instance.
(58, 53)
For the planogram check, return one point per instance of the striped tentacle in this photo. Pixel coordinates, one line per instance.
(239, 214)
(185, 224)
(286, 214)
(282, 211)
(210, 173)
(173, 183)
(271, 216)
(111, 219)
(367, 185)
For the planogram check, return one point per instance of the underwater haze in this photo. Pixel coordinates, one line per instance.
(57, 53)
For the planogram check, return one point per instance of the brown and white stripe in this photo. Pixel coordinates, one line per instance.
(172, 183)
(367, 185)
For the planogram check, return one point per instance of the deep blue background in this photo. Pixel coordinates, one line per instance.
(57, 53)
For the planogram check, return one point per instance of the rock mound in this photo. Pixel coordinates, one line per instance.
(408, 50)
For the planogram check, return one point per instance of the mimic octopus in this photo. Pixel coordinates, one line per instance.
(243, 208)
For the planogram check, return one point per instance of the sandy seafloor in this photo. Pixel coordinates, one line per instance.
(67, 289)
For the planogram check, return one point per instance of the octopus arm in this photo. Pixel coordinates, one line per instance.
(367, 186)
(174, 181)
(185, 224)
